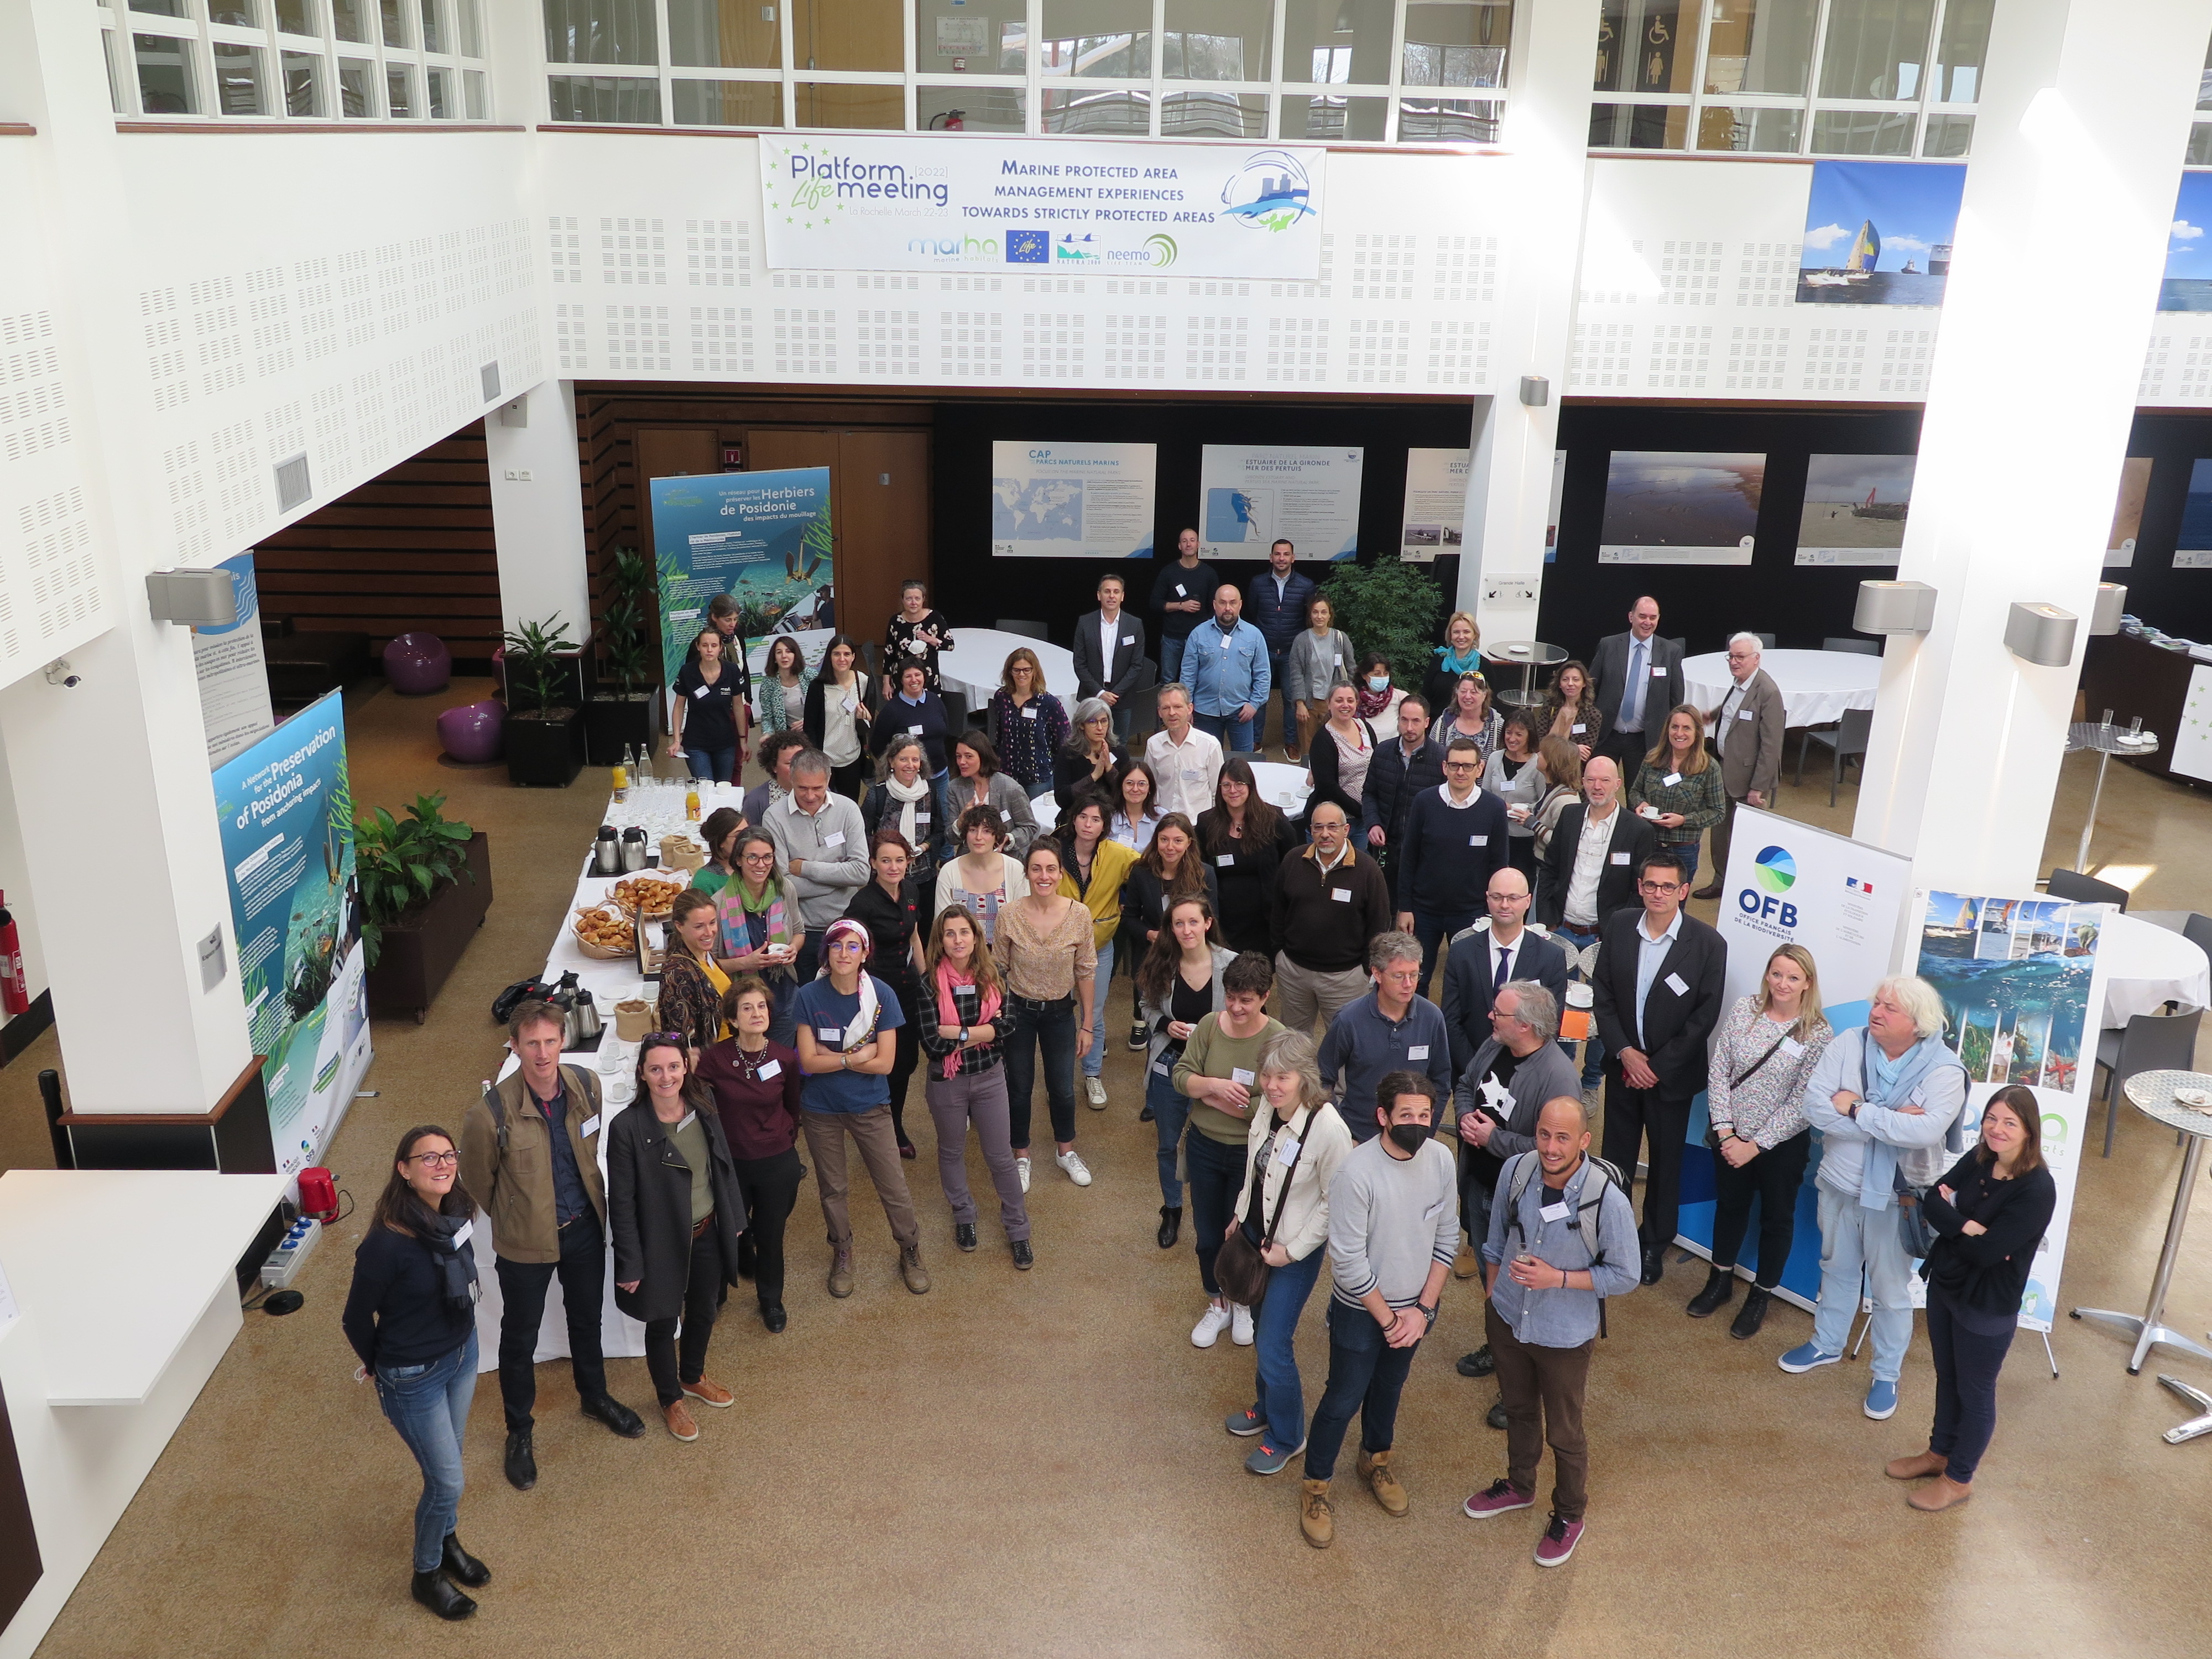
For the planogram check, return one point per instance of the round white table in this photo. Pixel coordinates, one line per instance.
(1281, 785)
(979, 656)
(1817, 686)
(2147, 966)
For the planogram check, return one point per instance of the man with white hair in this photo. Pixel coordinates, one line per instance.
(1887, 1100)
(1745, 733)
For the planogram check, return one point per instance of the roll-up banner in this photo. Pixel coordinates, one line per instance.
(761, 538)
(1843, 901)
(286, 811)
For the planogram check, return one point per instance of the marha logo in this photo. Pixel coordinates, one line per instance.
(1270, 191)
(1777, 872)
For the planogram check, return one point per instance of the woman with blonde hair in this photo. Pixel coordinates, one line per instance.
(1677, 787)
(1563, 787)
(1026, 722)
(1762, 1057)
(963, 1018)
(1460, 653)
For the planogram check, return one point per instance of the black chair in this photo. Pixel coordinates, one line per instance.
(2088, 889)
(1141, 719)
(1847, 737)
(2148, 1042)
(1765, 641)
(2198, 930)
(1028, 630)
(1860, 647)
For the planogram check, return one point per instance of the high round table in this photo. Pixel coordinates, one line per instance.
(2151, 1093)
(1816, 686)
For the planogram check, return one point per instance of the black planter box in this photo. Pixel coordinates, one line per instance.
(547, 749)
(419, 950)
(615, 720)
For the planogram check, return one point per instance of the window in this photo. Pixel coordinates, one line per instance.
(238, 80)
(296, 17)
(597, 98)
(399, 91)
(235, 14)
(1335, 119)
(728, 103)
(470, 19)
(968, 109)
(303, 83)
(394, 15)
(433, 28)
(441, 105)
(847, 34)
(356, 87)
(350, 20)
(479, 95)
(168, 81)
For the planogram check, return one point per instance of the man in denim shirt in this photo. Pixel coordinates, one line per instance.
(1568, 1242)
(1226, 665)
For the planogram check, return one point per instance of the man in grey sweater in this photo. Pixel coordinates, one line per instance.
(1392, 1230)
(823, 844)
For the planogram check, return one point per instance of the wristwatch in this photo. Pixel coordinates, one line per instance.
(1430, 1311)
(964, 1037)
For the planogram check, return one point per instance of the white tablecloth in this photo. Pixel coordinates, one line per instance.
(2147, 966)
(979, 656)
(1817, 686)
(1283, 786)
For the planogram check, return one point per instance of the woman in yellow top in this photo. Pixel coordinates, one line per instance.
(691, 981)
(1093, 866)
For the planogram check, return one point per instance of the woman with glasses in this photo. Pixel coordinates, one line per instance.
(754, 1083)
(674, 1213)
(762, 930)
(1026, 722)
(411, 1317)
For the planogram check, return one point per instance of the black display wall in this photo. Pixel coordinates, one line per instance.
(973, 586)
(2178, 601)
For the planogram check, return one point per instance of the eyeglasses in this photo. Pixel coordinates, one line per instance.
(1459, 766)
(1661, 886)
(439, 1160)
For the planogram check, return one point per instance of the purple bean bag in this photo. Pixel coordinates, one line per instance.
(472, 733)
(417, 663)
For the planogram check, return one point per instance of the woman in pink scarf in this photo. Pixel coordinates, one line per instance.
(964, 1035)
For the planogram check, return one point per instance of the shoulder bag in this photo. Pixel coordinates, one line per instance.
(1241, 1268)
(1712, 1135)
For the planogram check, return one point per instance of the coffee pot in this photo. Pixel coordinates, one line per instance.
(606, 852)
(634, 856)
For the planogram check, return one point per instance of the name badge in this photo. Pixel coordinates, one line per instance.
(1674, 984)
(1225, 859)
(914, 731)
(1180, 593)
(773, 1069)
(1342, 895)
(1619, 858)
(851, 703)
(1160, 1066)
(830, 1033)
(1418, 1051)
(702, 690)
(1129, 639)
(1553, 1212)
(835, 838)
(1578, 726)
(467, 1230)
(1743, 714)
(1658, 673)
(1791, 1048)
(922, 818)
(1287, 1148)
(1336, 659)
(1005, 814)
(591, 1126)
(1478, 841)
(1238, 1074)
(1028, 714)
(1671, 779)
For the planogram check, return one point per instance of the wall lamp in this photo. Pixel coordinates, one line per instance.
(1894, 608)
(2041, 634)
(192, 598)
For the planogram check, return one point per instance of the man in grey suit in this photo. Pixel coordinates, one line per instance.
(1109, 654)
(1636, 677)
(1745, 733)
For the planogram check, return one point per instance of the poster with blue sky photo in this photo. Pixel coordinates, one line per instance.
(1879, 233)
(2188, 284)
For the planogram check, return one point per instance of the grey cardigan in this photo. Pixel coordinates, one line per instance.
(1525, 789)
(1545, 1075)
(1155, 1036)
(1010, 799)
(1314, 667)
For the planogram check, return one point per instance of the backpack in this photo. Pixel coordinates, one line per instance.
(1526, 1166)
(499, 1111)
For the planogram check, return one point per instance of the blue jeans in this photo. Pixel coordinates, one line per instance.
(1687, 852)
(1171, 1112)
(1366, 1375)
(716, 765)
(1171, 658)
(1236, 735)
(1275, 1330)
(1434, 933)
(428, 1405)
(1050, 1026)
(1581, 938)
(1279, 695)
(1217, 1175)
(1966, 1366)
(1855, 1239)
(1094, 1058)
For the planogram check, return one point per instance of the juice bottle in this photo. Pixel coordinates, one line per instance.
(691, 800)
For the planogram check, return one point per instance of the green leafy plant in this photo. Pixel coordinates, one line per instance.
(533, 661)
(623, 626)
(402, 861)
(1388, 607)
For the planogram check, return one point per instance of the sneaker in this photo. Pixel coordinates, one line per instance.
(1478, 1364)
(1022, 1171)
(1558, 1542)
(1249, 1421)
(1077, 1170)
(1024, 1257)
(1207, 1331)
(1497, 1498)
(1137, 1036)
(1881, 1399)
(709, 1393)
(963, 1235)
(1146, 1116)
(1268, 1458)
(679, 1422)
(1240, 1324)
(1094, 1090)
(1467, 1264)
(1806, 1357)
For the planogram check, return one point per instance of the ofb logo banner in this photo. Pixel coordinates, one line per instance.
(978, 204)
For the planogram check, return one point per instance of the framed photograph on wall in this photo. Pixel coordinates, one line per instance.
(1681, 507)
(1854, 509)
(1072, 500)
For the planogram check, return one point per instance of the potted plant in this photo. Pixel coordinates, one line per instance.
(544, 738)
(619, 712)
(1388, 607)
(425, 886)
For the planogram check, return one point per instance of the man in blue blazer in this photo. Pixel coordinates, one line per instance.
(1501, 945)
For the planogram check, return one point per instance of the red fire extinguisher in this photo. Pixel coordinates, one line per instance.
(15, 994)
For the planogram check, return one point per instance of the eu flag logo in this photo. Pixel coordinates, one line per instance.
(1028, 247)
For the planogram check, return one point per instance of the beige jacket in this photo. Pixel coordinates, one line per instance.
(1304, 1226)
(515, 1187)
(1751, 750)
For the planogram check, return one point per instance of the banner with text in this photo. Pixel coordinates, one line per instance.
(761, 538)
(1249, 498)
(285, 807)
(234, 670)
(1029, 205)
(2022, 983)
(1434, 519)
(1072, 500)
(1788, 882)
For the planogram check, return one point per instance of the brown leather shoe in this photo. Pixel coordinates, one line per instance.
(1375, 1470)
(708, 1393)
(679, 1421)
(841, 1271)
(1315, 1519)
(911, 1270)
(1912, 1468)
(1467, 1264)
(1941, 1493)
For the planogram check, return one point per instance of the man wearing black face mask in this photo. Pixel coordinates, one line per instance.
(1393, 1231)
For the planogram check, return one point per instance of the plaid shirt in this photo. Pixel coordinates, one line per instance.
(938, 1042)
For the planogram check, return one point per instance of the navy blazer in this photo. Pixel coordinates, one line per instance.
(1677, 1024)
(1278, 620)
(1609, 681)
(1467, 990)
(1093, 675)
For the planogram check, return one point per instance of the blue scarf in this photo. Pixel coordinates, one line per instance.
(1878, 1175)
(1451, 662)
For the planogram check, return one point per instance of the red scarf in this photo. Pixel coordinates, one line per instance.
(948, 1013)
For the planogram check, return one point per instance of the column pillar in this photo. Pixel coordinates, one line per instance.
(1546, 128)
(2078, 145)
(538, 509)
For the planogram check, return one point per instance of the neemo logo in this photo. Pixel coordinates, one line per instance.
(1774, 872)
(817, 179)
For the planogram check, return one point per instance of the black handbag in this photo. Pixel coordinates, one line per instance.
(1241, 1268)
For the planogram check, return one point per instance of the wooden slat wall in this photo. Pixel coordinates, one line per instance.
(409, 550)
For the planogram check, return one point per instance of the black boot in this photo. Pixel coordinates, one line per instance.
(522, 1461)
(1748, 1318)
(462, 1567)
(1170, 1224)
(1497, 1418)
(772, 1316)
(1719, 1291)
(432, 1591)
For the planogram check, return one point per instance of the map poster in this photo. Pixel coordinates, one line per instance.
(1251, 498)
(1854, 510)
(761, 538)
(1435, 521)
(1072, 500)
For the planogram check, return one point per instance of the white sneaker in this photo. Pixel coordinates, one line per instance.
(1094, 1090)
(1022, 1170)
(1207, 1331)
(1240, 1325)
(1077, 1170)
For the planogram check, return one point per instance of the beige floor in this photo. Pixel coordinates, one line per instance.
(1035, 1463)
